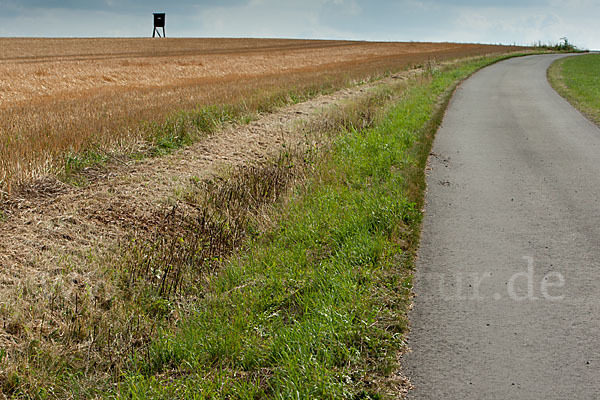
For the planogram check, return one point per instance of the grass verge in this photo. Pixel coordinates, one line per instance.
(316, 306)
(183, 128)
(577, 80)
(85, 336)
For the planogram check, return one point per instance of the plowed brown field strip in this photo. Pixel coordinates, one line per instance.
(61, 96)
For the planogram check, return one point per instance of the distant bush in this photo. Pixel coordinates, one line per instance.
(564, 45)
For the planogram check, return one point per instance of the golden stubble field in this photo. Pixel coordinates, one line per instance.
(64, 96)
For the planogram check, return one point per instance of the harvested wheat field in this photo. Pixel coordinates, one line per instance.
(59, 97)
(117, 155)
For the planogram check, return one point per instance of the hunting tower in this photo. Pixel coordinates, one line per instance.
(159, 22)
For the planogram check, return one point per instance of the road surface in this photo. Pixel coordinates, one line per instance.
(508, 274)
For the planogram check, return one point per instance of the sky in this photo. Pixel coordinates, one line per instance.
(469, 21)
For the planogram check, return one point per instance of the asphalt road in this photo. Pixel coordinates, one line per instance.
(508, 274)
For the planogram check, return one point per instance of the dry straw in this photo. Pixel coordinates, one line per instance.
(59, 98)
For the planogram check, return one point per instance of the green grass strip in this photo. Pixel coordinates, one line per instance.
(316, 308)
(577, 80)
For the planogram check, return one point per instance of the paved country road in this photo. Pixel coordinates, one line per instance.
(508, 275)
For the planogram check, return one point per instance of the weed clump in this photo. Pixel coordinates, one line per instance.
(564, 46)
(219, 214)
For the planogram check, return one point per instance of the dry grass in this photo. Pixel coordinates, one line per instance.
(93, 310)
(61, 97)
(72, 303)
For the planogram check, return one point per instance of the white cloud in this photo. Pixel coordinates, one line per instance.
(486, 21)
(272, 18)
(73, 23)
(522, 26)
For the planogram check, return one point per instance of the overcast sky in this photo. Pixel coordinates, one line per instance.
(481, 21)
